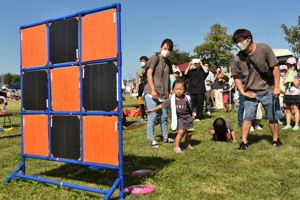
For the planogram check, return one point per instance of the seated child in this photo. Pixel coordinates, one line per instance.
(222, 131)
(182, 118)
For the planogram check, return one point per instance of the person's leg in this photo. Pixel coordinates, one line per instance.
(220, 99)
(208, 100)
(163, 113)
(272, 107)
(143, 111)
(215, 99)
(296, 109)
(193, 102)
(250, 114)
(179, 137)
(225, 107)
(288, 114)
(150, 103)
(188, 137)
(241, 111)
(200, 102)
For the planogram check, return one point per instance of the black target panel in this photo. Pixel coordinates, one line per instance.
(65, 137)
(35, 90)
(99, 87)
(64, 41)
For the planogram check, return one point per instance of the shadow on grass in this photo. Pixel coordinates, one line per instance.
(108, 177)
(9, 136)
(256, 138)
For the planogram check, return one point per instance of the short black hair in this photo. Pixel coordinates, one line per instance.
(241, 33)
(219, 125)
(179, 81)
(144, 58)
(226, 78)
(207, 63)
(168, 42)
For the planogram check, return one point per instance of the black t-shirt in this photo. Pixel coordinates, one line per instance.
(218, 84)
(197, 81)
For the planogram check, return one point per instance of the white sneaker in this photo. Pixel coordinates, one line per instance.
(258, 127)
(208, 113)
(251, 129)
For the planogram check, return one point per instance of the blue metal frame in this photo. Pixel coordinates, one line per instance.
(119, 181)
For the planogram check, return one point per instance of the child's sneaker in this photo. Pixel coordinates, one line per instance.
(287, 127)
(187, 146)
(153, 143)
(229, 140)
(168, 140)
(258, 127)
(280, 122)
(243, 146)
(296, 128)
(251, 129)
(213, 140)
(177, 150)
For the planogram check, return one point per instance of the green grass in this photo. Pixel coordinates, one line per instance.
(209, 171)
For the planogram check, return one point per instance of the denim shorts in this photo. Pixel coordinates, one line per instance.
(270, 104)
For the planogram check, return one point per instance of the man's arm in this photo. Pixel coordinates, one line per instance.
(151, 83)
(276, 74)
(239, 85)
(187, 69)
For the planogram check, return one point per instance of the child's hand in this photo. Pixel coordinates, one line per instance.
(233, 140)
(221, 91)
(193, 116)
(148, 112)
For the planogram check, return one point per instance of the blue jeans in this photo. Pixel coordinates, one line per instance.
(163, 113)
(241, 111)
(271, 105)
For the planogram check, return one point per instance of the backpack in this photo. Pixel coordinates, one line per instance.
(144, 78)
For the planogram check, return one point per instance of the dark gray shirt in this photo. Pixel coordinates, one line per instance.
(184, 118)
(161, 77)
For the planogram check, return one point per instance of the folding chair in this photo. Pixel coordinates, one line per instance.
(5, 114)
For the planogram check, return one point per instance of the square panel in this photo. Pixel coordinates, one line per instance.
(34, 46)
(100, 139)
(99, 36)
(64, 41)
(35, 135)
(99, 87)
(35, 90)
(65, 91)
(65, 137)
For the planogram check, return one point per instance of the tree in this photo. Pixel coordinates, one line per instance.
(8, 78)
(16, 79)
(217, 47)
(178, 57)
(293, 37)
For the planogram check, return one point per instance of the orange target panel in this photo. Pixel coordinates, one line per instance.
(99, 36)
(35, 135)
(65, 89)
(34, 46)
(100, 139)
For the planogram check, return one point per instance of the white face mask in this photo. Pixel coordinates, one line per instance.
(165, 53)
(282, 74)
(143, 64)
(243, 45)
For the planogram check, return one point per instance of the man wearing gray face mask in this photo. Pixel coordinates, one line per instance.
(253, 63)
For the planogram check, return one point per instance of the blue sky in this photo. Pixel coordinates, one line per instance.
(145, 24)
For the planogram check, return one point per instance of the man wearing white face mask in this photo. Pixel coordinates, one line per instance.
(256, 63)
(143, 61)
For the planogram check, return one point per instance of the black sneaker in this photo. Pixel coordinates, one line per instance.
(168, 140)
(243, 146)
(213, 140)
(153, 143)
(229, 140)
(277, 143)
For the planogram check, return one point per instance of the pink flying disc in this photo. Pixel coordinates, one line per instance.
(143, 172)
(140, 189)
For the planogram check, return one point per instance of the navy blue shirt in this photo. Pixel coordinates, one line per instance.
(226, 87)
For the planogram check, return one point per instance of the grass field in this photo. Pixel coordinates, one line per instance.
(212, 170)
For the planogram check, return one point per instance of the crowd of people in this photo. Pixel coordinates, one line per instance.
(260, 82)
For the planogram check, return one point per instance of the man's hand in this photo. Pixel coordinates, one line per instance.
(154, 95)
(148, 112)
(250, 95)
(276, 92)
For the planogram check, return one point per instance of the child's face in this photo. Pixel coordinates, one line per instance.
(176, 75)
(179, 90)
